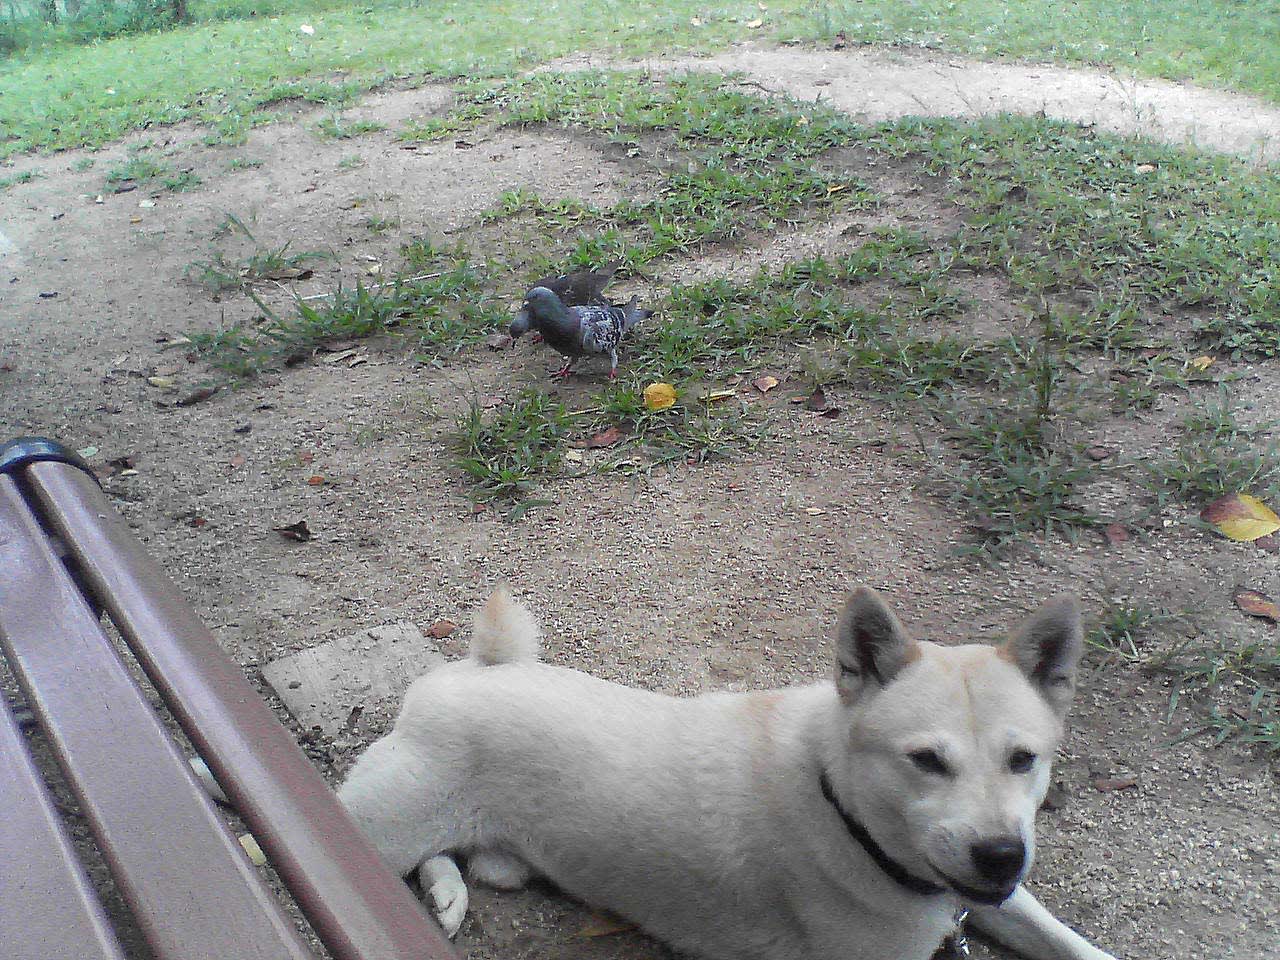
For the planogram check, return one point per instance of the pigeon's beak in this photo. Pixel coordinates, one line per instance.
(519, 324)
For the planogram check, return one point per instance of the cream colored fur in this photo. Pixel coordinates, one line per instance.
(702, 819)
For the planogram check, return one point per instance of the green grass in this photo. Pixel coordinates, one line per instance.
(1216, 42)
(437, 314)
(1215, 455)
(265, 263)
(1101, 239)
(230, 65)
(1124, 630)
(142, 170)
(334, 127)
(26, 176)
(504, 453)
(1237, 684)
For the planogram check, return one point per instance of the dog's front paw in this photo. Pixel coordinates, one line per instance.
(441, 878)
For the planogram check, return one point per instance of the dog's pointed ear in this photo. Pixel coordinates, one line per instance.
(871, 645)
(1047, 647)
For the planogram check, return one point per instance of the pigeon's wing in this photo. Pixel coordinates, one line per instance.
(602, 328)
(598, 279)
(582, 286)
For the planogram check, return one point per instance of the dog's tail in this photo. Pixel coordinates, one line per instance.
(504, 631)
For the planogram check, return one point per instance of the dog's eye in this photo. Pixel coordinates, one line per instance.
(1021, 761)
(930, 761)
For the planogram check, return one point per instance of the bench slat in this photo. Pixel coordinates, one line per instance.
(192, 890)
(358, 907)
(48, 910)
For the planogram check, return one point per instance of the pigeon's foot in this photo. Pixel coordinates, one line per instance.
(613, 374)
(563, 372)
(535, 337)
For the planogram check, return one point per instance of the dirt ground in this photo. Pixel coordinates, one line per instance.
(690, 579)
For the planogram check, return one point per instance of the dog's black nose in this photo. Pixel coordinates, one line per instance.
(999, 861)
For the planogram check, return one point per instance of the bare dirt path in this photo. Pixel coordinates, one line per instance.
(873, 84)
(690, 579)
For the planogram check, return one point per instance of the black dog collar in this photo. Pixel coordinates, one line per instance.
(896, 871)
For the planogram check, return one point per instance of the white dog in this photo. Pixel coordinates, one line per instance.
(847, 820)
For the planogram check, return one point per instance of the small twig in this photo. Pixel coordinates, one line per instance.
(378, 286)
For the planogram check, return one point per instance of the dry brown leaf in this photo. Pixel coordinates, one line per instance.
(442, 628)
(1099, 452)
(339, 356)
(498, 341)
(237, 461)
(1256, 604)
(1269, 544)
(287, 273)
(1112, 784)
(1116, 533)
(295, 531)
(198, 395)
(765, 384)
(605, 438)
(604, 925)
(816, 401)
(315, 481)
(1055, 797)
(1241, 517)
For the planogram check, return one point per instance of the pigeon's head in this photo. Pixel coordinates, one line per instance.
(541, 299)
(541, 305)
(520, 323)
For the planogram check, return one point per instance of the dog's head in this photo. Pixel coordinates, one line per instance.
(949, 748)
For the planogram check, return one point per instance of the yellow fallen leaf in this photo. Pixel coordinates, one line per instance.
(719, 395)
(164, 383)
(1202, 363)
(256, 856)
(765, 384)
(836, 188)
(659, 396)
(754, 24)
(695, 21)
(814, 511)
(1144, 168)
(1241, 517)
(604, 925)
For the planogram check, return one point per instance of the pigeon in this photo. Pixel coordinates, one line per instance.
(581, 331)
(577, 289)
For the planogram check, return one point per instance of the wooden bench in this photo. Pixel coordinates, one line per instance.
(193, 893)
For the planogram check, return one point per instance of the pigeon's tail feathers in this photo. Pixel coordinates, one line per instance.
(633, 314)
(504, 631)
